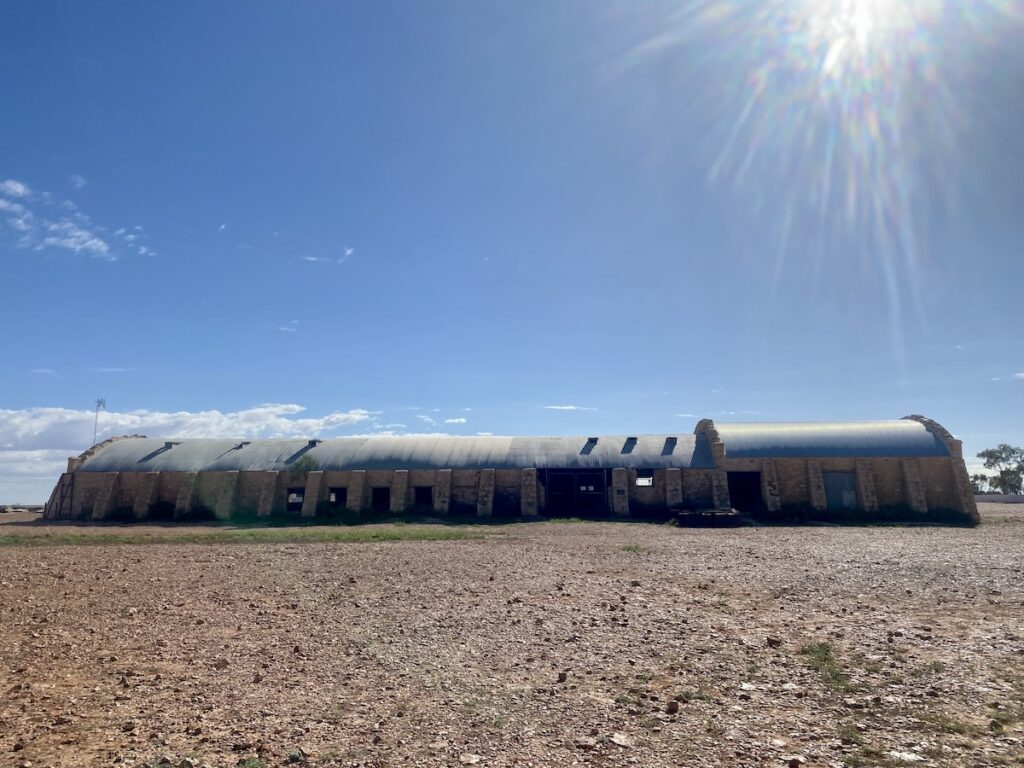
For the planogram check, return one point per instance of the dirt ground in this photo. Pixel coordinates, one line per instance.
(542, 644)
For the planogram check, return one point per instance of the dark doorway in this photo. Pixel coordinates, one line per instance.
(295, 499)
(840, 490)
(575, 492)
(380, 500)
(337, 498)
(423, 496)
(745, 492)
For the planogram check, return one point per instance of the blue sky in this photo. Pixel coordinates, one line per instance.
(342, 218)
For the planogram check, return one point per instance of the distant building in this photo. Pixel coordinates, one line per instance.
(908, 470)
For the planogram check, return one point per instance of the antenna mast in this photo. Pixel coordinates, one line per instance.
(101, 405)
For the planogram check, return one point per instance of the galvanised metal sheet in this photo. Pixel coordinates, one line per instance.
(641, 452)
(902, 438)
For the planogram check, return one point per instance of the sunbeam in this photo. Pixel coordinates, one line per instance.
(840, 117)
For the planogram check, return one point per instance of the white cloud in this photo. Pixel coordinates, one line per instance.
(35, 442)
(113, 370)
(569, 408)
(78, 181)
(688, 415)
(1019, 376)
(459, 420)
(67, 234)
(314, 258)
(426, 419)
(484, 434)
(44, 371)
(18, 212)
(13, 188)
(53, 223)
(290, 328)
(465, 410)
(222, 227)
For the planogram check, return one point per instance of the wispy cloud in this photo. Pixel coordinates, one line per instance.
(113, 370)
(484, 434)
(688, 415)
(78, 181)
(69, 235)
(13, 188)
(459, 420)
(429, 420)
(43, 371)
(222, 227)
(349, 252)
(40, 221)
(291, 327)
(1019, 376)
(569, 408)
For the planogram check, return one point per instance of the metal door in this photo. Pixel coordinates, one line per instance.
(840, 490)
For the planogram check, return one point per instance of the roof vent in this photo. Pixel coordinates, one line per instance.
(629, 445)
(170, 444)
(314, 443)
(241, 445)
(590, 445)
(670, 446)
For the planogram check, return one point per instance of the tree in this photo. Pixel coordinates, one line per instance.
(1008, 463)
(978, 483)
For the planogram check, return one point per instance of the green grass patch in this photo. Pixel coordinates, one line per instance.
(948, 724)
(821, 659)
(634, 548)
(248, 536)
(848, 734)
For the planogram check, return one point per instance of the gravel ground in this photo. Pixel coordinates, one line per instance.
(543, 644)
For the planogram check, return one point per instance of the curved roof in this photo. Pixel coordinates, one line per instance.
(140, 454)
(903, 437)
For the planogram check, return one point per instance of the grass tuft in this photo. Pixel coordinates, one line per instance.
(823, 660)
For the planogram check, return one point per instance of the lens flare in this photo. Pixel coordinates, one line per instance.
(843, 118)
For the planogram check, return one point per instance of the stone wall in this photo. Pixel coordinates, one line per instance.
(791, 487)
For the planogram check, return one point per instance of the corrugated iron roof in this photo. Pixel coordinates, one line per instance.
(902, 438)
(647, 451)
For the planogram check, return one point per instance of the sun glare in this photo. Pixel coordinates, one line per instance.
(838, 117)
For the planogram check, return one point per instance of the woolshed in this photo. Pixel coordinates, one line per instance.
(908, 470)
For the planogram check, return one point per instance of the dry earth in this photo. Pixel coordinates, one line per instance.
(544, 644)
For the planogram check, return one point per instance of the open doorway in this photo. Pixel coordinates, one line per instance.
(745, 492)
(380, 500)
(295, 498)
(575, 492)
(423, 497)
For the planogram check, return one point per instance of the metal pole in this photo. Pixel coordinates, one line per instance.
(101, 404)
